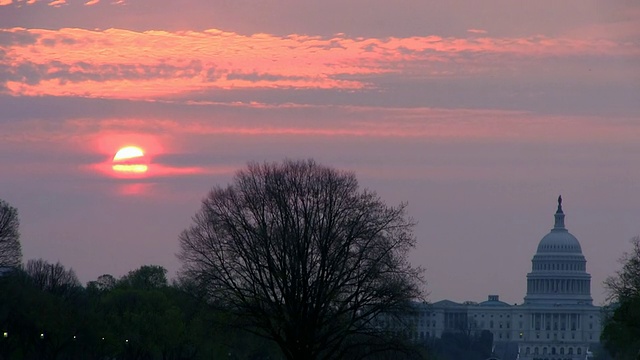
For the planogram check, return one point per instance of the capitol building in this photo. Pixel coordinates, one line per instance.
(556, 321)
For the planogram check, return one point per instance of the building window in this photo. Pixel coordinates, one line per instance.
(570, 351)
(553, 350)
(579, 351)
(561, 351)
(535, 351)
(527, 351)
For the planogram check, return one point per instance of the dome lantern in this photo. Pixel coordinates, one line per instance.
(559, 215)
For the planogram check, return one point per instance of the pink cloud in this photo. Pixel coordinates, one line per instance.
(117, 63)
(159, 136)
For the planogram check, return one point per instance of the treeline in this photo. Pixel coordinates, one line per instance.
(45, 313)
(461, 345)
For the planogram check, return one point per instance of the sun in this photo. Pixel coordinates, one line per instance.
(128, 152)
(130, 160)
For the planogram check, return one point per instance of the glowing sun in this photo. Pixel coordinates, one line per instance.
(130, 160)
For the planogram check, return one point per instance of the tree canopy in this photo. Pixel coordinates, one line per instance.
(303, 256)
(621, 334)
(10, 250)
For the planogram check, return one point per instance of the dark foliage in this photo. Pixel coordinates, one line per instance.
(136, 317)
(621, 334)
(462, 346)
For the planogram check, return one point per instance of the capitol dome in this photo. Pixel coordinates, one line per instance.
(558, 272)
(559, 240)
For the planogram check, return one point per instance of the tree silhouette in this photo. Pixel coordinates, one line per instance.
(621, 334)
(10, 250)
(303, 256)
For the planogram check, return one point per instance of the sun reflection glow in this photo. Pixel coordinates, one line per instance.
(137, 168)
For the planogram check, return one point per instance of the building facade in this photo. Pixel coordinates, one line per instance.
(556, 321)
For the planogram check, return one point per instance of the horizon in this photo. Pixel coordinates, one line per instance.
(478, 118)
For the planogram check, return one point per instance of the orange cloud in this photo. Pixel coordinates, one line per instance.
(57, 3)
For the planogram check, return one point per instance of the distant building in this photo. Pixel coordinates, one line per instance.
(557, 320)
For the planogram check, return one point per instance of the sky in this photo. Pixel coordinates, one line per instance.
(478, 114)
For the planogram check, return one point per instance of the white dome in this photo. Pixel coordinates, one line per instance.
(559, 241)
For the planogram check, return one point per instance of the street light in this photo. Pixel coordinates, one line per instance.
(5, 334)
(41, 335)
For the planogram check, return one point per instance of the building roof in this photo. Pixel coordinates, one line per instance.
(445, 303)
(493, 300)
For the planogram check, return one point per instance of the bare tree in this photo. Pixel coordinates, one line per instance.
(304, 256)
(10, 250)
(626, 283)
(53, 278)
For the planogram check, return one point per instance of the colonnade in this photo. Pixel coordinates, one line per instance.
(555, 321)
(562, 286)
